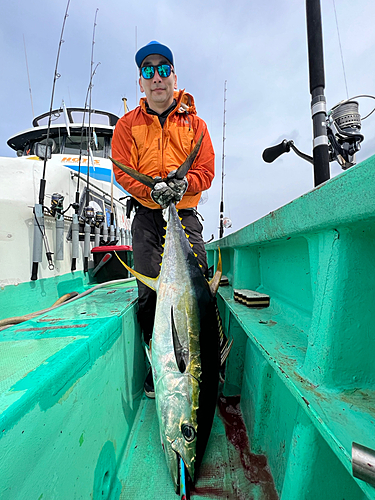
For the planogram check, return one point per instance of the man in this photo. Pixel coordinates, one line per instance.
(155, 138)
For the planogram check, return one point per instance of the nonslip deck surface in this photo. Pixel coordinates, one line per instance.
(228, 471)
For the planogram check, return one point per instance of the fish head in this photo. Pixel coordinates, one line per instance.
(178, 421)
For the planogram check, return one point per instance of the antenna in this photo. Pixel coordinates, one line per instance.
(28, 77)
(221, 228)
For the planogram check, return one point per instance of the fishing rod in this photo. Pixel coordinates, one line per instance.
(336, 133)
(320, 158)
(39, 228)
(221, 228)
(89, 212)
(98, 216)
(225, 222)
(317, 84)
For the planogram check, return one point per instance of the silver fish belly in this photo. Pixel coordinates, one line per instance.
(185, 352)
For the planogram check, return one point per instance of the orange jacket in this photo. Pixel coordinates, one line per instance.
(140, 142)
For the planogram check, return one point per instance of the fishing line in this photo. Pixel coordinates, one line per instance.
(28, 77)
(363, 95)
(342, 58)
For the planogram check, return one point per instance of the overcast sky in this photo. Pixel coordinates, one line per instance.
(260, 48)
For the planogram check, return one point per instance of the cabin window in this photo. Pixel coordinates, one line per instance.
(73, 146)
(55, 143)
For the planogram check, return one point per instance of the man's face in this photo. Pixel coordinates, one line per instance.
(158, 90)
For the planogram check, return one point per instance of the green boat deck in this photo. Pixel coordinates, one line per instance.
(72, 404)
(299, 389)
(229, 470)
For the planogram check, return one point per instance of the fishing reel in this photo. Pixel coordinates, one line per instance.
(57, 204)
(227, 223)
(99, 218)
(343, 124)
(89, 214)
(343, 130)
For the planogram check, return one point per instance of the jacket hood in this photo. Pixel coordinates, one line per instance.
(185, 103)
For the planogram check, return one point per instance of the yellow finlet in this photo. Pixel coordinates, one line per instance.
(214, 283)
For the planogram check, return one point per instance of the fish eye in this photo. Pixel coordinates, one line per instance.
(188, 432)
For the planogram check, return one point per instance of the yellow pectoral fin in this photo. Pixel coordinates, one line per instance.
(150, 282)
(214, 283)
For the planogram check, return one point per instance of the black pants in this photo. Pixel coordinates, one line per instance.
(148, 236)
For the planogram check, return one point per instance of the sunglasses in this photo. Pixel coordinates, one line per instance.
(164, 71)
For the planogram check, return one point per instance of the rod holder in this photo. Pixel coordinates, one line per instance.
(105, 232)
(86, 247)
(38, 239)
(59, 254)
(97, 236)
(112, 233)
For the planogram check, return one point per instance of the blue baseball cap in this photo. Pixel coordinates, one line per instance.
(153, 48)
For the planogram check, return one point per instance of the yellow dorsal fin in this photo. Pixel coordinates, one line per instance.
(150, 282)
(214, 283)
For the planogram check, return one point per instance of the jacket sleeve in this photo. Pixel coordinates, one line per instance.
(125, 151)
(202, 171)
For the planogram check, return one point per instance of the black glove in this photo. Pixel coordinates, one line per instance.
(162, 194)
(179, 186)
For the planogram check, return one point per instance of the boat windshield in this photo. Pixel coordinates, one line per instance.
(97, 118)
(73, 146)
(55, 143)
(76, 117)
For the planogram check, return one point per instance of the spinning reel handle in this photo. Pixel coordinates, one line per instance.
(270, 154)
